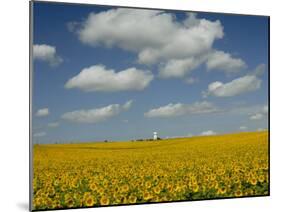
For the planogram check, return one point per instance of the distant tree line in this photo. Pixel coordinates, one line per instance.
(147, 139)
(141, 139)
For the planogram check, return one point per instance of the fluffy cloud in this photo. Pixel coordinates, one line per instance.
(96, 115)
(42, 112)
(243, 128)
(53, 124)
(262, 113)
(235, 87)
(222, 61)
(262, 129)
(215, 60)
(257, 116)
(128, 105)
(179, 109)
(142, 31)
(191, 80)
(259, 70)
(98, 78)
(40, 134)
(46, 53)
(208, 132)
(179, 67)
(157, 37)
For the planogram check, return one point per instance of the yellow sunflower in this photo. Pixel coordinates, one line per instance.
(104, 200)
(89, 201)
(147, 196)
(132, 199)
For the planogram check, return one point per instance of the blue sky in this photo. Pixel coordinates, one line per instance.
(120, 74)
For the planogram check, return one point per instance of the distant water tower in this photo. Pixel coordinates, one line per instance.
(155, 136)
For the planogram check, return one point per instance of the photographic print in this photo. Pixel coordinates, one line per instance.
(137, 106)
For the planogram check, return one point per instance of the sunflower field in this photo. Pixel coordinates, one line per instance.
(115, 173)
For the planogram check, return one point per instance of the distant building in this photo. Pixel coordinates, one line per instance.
(155, 136)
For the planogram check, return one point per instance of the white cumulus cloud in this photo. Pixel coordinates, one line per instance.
(243, 128)
(191, 80)
(98, 78)
(262, 129)
(259, 70)
(128, 105)
(219, 60)
(42, 112)
(256, 116)
(179, 109)
(235, 87)
(40, 134)
(208, 132)
(53, 124)
(179, 67)
(96, 115)
(155, 36)
(46, 53)
(260, 114)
